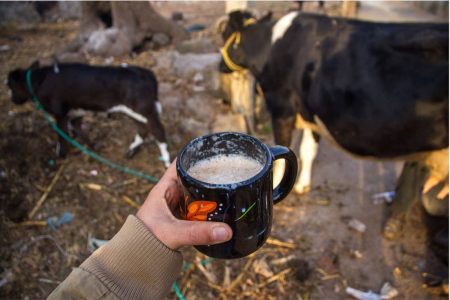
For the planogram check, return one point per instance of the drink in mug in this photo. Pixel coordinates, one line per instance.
(227, 177)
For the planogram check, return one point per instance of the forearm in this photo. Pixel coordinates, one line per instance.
(132, 265)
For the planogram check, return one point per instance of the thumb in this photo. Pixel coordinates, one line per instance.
(190, 233)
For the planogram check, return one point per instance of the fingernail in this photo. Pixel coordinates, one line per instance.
(219, 233)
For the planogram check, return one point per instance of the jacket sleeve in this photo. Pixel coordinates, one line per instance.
(134, 264)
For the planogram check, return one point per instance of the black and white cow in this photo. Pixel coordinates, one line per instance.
(376, 90)
(67, 87)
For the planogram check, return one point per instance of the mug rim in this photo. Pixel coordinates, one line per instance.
(183, 173)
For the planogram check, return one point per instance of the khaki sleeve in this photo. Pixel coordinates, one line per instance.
(134, 264)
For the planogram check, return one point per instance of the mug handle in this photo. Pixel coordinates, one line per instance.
(290, 172)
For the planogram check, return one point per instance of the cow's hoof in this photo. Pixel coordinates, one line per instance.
(131, 153)
(61, 153)
(301, 189)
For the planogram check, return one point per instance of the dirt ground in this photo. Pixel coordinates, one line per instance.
(312, 254)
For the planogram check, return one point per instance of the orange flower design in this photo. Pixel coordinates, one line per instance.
(199, 210)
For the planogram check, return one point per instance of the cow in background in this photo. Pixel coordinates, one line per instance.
(376, 90)
(63, 88)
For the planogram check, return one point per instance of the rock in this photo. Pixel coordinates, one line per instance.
(69, 10)
(198, 88)
(195, 127)
(101, 40)
(160, 39)
(17, 12)
(229, 123)
(108, 42)
(165, 87)
(198, 77)
(72, 57)
(186, 64)
(170, 102)
(201, 108)
(199, 45)
(165, 59)
(177, 16)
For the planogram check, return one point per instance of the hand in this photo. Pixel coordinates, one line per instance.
(157, 214)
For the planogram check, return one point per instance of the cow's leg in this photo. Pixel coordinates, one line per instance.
(308, 152)
(75, 129)
(156, 128)
(282, 129)
(61, 147)
(135, 145)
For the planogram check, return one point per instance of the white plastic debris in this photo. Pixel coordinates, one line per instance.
(380, 198)
(4, 48)
(93, 172)
(356, 254)
(362, 295)
(94, 243)
(5, 277)
(387, 292)
(198, 77)
(357, 225)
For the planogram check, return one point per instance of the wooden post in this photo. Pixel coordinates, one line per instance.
(231, 5)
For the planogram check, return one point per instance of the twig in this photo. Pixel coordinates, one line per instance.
(123, 183)
(40, 238)
(328, 277)
(32, 223)
(274, 277)
(226, 277)
(92, 186)
(211, 277)
(239, 277)
(184, 280)
(130, 201)
(118, 217)
(47, 191)
(275, 242)
(283, 260)
(45, 280)
(212, 285)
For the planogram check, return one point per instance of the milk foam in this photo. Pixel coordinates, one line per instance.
(225, 169)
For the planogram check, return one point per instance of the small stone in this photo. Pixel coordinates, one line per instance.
(161, 39)
(357, 225)
(177, 16)
(198, 77)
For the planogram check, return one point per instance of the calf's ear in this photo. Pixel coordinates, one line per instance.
(236, 20)
(34, 65)
(266, 18)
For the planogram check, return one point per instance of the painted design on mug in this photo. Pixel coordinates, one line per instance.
(199, 210)
(245, 211)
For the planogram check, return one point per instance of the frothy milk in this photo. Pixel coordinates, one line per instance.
(225, 169)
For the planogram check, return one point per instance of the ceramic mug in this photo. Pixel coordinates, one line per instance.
(245, 206)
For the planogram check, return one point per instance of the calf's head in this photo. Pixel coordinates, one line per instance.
(17, 83)
(247, 42)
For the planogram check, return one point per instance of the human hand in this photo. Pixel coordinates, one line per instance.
(157, 214)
